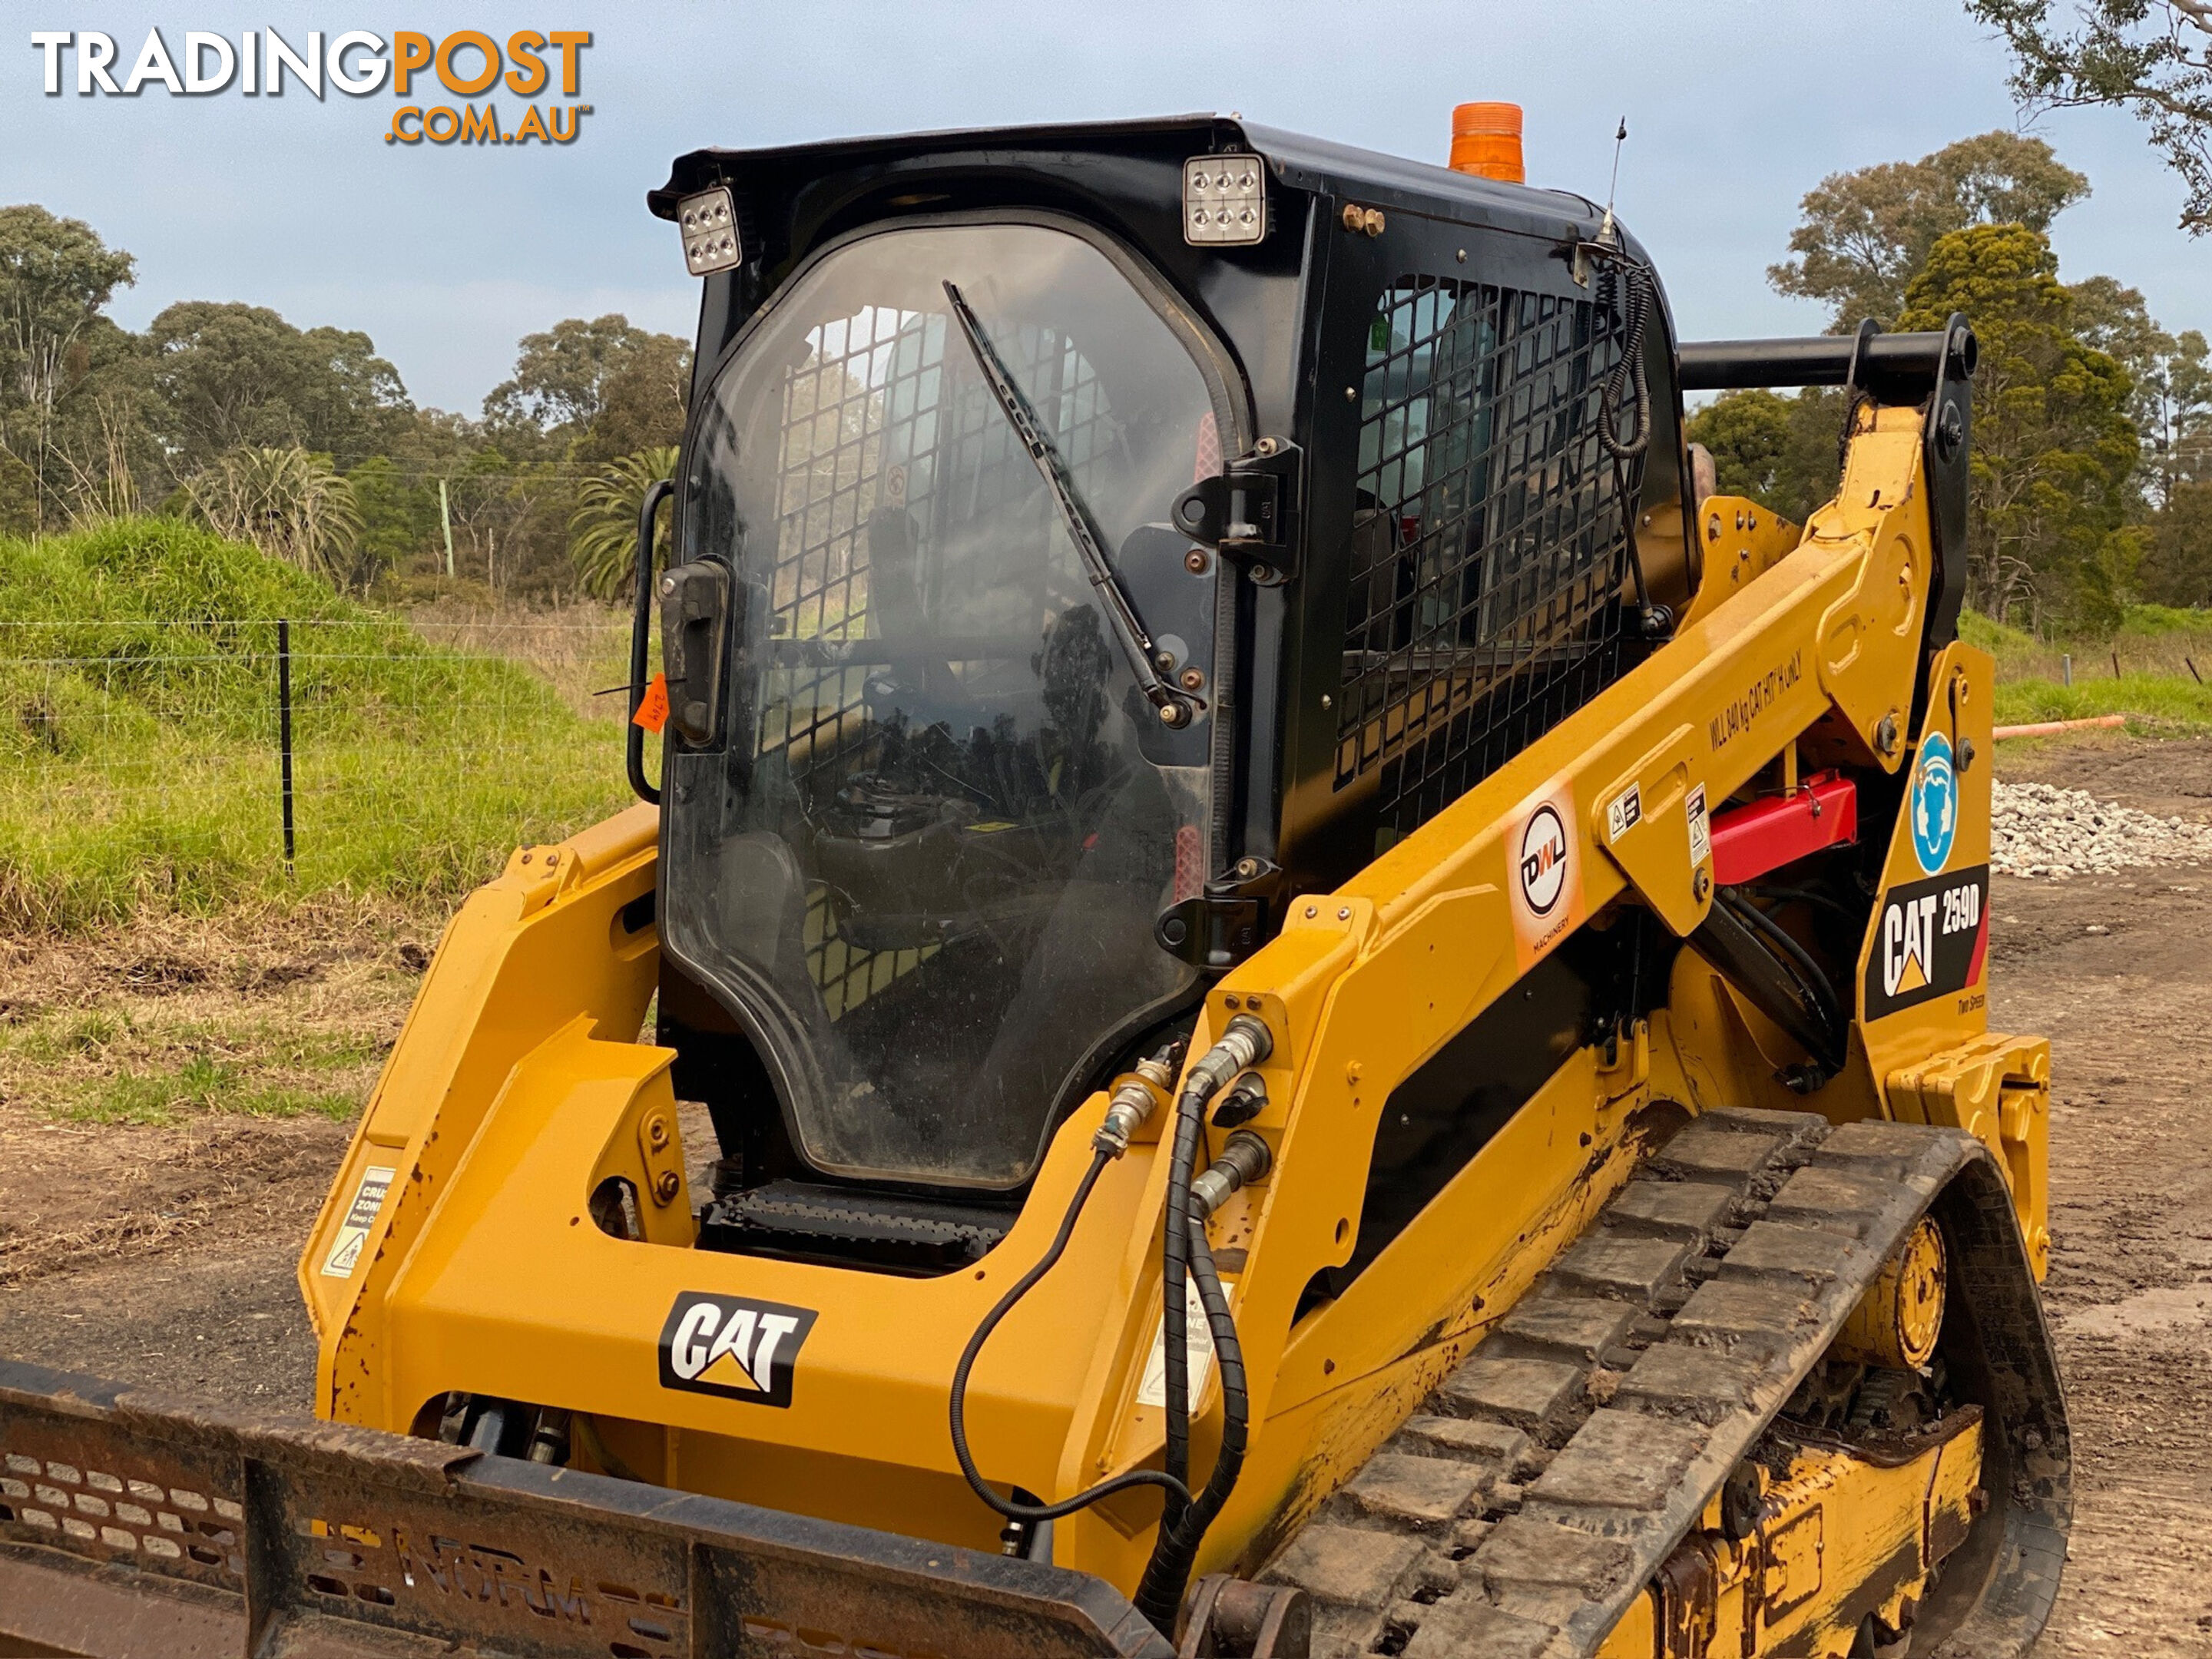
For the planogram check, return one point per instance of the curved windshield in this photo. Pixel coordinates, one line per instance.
(949, 820)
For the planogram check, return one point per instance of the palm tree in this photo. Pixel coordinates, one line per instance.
(603, 529)
(291, 504)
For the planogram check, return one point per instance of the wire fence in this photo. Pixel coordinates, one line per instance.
(189, 760)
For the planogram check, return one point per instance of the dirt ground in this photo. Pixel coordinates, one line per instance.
(2118, 970)
(174, 1101)
(149, 1234)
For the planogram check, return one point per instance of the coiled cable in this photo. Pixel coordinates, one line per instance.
(1629, 374)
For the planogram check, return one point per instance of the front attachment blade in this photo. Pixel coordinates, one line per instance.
(134, 1525)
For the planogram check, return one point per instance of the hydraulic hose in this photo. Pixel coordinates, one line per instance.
(1776, 979)
(1132, 1104)
(1160, 1593)
(1031, 1514)
(1175, 1267)
(1806, 895)
(1245, 1042)
(1780, 941)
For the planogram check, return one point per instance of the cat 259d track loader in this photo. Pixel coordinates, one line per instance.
(1217, 736)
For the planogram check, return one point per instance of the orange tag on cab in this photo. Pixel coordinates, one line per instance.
(653, 709)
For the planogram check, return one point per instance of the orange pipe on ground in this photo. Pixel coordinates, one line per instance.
(2050, 728)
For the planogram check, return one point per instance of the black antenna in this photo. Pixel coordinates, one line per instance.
(1613, 188)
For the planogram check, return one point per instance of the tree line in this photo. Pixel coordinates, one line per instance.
(2092, 471)
(2093, 438)
(306, 441)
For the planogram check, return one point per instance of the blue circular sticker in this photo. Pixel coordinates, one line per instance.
(1934, 803)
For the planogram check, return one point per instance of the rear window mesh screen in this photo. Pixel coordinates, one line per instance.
(1489, 539)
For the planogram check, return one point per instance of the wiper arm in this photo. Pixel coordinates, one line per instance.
(1176, 708)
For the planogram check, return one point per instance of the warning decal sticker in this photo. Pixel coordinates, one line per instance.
(1625, 812)
(1198, 1354)
(361, 1215)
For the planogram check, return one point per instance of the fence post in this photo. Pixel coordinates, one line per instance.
(2066, 668)
(284, 728)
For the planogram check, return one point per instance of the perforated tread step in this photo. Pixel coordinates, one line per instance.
(1544, 1482)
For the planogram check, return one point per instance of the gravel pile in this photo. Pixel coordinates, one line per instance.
(2039, 830)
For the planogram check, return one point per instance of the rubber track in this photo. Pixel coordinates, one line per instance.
(1539, 1486)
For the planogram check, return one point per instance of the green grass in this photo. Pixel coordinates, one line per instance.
(2170, 701)
(201, 1084)
(139, 738)
(2153, 620)
(2156, 649)
(2151, 638)
(66, 1037)
(1995, 637)
(115, 1066)
(288, 1047)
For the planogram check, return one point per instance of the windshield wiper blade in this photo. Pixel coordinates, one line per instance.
(1176, 706)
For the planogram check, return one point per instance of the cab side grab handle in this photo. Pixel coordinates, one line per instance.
(640, 628)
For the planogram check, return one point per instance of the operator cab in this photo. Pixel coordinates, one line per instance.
(1088, 540)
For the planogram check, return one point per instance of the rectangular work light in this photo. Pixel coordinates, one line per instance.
(1225, 200)
(709, 220)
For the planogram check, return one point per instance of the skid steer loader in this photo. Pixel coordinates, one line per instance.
(1304, 999)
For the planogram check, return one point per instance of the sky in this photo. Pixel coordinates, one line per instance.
(446, 256)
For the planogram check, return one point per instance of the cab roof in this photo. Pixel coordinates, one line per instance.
(1297, 162)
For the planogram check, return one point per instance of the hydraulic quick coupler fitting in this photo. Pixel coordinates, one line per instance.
(1246, 1042)
(1132, 1103)
(1244, 1160)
